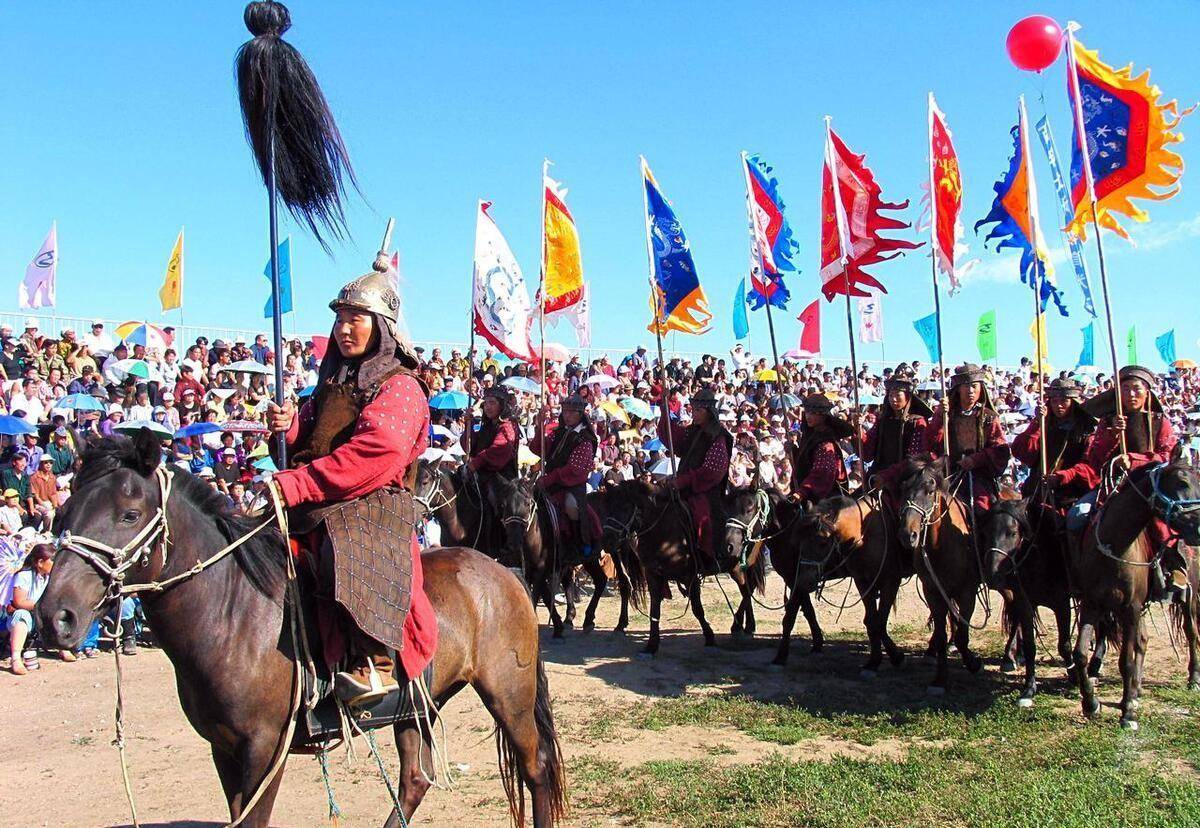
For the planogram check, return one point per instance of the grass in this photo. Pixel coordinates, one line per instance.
(977, 761)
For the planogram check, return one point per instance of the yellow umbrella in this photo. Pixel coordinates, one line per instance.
(767, 375)
(1184, 363)
(615, 411)
(525, 457)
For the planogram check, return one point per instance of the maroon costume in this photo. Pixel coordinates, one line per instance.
(494, 448)
(570, 461)
(703, 472)
(896, 437)
(975, 437)
(818, 468)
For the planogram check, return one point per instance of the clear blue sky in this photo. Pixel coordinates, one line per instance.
(122, 123)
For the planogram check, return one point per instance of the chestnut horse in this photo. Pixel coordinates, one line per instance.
(225, 629)
(1115, 558)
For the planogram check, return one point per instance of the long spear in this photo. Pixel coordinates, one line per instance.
(541, 297)
(1090, 181)
(843, 228)
(296, 145)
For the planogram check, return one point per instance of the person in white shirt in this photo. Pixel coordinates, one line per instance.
(28, 586)
(11, 516)
(141, 410)
(29, 401)
(99, 341)
(111, 377)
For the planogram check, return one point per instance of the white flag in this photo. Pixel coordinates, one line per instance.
(581, 318)
(503, 312)
(37, 290)
(870, 318)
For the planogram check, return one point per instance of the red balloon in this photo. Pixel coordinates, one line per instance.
(1034, 43)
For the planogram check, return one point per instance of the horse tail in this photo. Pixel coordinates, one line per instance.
(1109, 628)
(639, 589)
(549, 756)
(1177, 616)
(756, 574)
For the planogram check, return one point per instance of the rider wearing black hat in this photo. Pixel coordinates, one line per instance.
(570, 459)
(899, 432)
(818, 468)
(1069, 430)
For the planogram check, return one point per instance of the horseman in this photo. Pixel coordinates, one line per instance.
(898, 434)
(705, 448)
(818, 468)
(1069, 429)
(1149, 439)
(348, 493)
(492, 453)
(977, 444)
(571, 446)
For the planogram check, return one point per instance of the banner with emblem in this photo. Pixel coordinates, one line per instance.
(502, 310)
(37, 289)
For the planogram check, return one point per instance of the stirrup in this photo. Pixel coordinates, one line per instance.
(355, 693)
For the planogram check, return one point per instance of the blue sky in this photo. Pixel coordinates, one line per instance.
(123, 125)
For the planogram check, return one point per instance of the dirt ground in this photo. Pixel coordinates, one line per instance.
(61, 770)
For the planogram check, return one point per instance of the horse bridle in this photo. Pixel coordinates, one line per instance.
(762, 514)
(1155, 500)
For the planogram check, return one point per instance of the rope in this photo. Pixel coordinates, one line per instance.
(387, 780)
(335, 812)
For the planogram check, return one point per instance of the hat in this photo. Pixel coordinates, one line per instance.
(1104, 404)
(115, 409)
(219, 345)
(965, 373)
(11, 493)
(229, 452)
(206, 472)
(818, 403)
(168, 395)
(903, 381)
(61, 431)
(30, 322)
(45, 458)
(705, 398)
(1140, 373)
(97, 322)
(1067, 388)
(575, 403)
(374, 292)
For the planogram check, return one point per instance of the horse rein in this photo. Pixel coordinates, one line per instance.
(1169, 506)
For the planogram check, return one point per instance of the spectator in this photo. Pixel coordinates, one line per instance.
(99, 342)
(60, 452)
(43, 487)
(27, 588)
(12, 517)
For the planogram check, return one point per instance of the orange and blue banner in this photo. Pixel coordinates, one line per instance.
(773, 244)
(1127, 134)
(1014, 214)
(678, 301)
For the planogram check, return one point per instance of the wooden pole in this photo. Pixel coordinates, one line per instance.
(756, 259)
(276, 299)
(937, 294)
(1038, 279)
(470, 412)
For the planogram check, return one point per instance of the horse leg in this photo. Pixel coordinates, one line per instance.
(887, 599)
(814, 626)
(1029, 645)
(1132, 647)
(962, 631)
(416, 755)
(600, 582)
(1188, 614)
(624, 589)
(743, 619)
(871, 623)
(230, 774)
(789, 622)
(1084, 643)
(654, 585)
(545, 586)
(938, 643)
(1062, 620)
(258, 756)
(566, 580)
(710, 640)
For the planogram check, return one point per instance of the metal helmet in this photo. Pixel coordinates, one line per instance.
(372, 292)
(705, 398)
(576, 403)
(818, 403)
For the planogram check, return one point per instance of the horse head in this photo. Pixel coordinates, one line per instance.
(1175, 497)
(819, 536)
(516, 507)
(429, 482)
(748, 515)
(1004, 529)
(107, 534)
(922, 487)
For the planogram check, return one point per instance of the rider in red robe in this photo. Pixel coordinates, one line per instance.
(571, 446)
(705, 448)
(357, 438)
(897, 435)
(818, 469)
(977, 444)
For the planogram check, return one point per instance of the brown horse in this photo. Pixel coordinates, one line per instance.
(936, 530)
(660, 548)
(1026, 563)
(224, 629)
(457, 506)
(1115, 559)
(843, 537)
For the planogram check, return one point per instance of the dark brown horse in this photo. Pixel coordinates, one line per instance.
(1115, 559)
(225, 631)
(457, 506)
(843, 537)
(1025, 561)
(660, 549)
(935, 528)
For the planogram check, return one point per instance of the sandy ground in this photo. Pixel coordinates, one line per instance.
(60, 769)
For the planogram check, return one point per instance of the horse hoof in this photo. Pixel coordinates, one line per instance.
(1007, 665)
(973, 664)
(817, 647)
(1092, 710)
(1129, 724)
(587, 628)
(619, 631)
(1025, 701)
(866, 673)
(646, 656)
(934, 690)
(897, 660)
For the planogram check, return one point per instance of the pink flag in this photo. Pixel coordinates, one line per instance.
(810, 335)
(37, 289)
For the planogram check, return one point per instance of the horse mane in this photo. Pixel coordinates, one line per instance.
(913, 466)
(1018, 510)
(262, 557)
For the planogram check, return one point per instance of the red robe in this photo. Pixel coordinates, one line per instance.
(915, 445)
(826, 471)
(391, 433)
(500, 453)
(989, 463)
(575, 473)
(710, 475)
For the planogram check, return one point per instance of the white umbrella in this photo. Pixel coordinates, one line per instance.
(601, 381)
(132, 368)
(134, 426)
(434, 455)
(246, 366)
(662, 468)
(442, 431)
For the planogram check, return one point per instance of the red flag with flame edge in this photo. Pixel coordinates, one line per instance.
(946, 183)
(809, 344)
(843, 258)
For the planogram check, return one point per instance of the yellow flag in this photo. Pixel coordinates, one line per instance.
(564, 265)
(171, 292)
(1037, 332)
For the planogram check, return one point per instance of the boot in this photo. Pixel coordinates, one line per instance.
(1158, 583)
(368, 680)
(1179, 587)
(129, 643)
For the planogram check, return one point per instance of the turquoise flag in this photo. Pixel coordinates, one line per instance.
(741, 325)
(1087, 355)
(285, 279)
(1166, 347)
(927, 327)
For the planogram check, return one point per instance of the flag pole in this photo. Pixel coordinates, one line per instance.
(1089, 180)
(276, 299)
(470, 412)
(843, 230)
(756, 259)
(1038, 278)
(937, 294)
(657, 305)
(542, 320)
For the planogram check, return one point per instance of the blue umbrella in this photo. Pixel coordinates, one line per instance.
(80, 402)
(12, 426)
(525, 384)
(654, 445)
(265, 464)
(449, 401)
(638, 408)
(197, 429)
(783, 401)
(307, 392)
